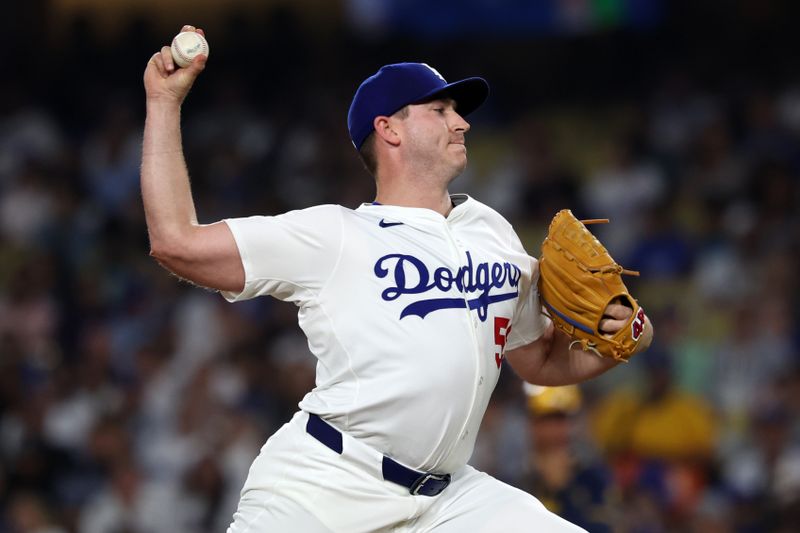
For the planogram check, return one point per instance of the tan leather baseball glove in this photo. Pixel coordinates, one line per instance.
(578, 279)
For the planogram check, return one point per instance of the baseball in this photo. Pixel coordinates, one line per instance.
(186, 45)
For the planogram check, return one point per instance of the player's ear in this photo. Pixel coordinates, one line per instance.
(384, 129)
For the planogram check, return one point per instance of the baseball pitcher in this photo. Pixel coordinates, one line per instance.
(410, 304)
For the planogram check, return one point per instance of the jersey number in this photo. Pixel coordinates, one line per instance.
(501, 331)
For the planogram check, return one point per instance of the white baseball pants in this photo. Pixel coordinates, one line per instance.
(299, 485)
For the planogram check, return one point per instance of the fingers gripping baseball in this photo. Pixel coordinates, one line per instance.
(165, 81)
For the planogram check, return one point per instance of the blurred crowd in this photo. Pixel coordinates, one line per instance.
(131, 402)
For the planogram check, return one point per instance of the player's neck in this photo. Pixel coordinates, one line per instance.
(414, 183)
(435, 199)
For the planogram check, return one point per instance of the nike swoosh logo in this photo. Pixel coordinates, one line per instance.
(385, 224)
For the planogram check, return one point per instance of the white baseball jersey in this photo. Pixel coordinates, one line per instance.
(407, 312)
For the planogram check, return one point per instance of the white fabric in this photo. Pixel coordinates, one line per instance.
(403, 364)
(298, 484)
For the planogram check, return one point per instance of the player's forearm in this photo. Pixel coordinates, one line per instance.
(166, 193)
(565, 365)
(549, 361)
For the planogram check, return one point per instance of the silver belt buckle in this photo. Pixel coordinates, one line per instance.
(420, 483)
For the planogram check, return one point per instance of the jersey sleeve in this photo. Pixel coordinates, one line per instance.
(529, 322)
(289, 256)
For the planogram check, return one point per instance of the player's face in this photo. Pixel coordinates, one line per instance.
(434, 136)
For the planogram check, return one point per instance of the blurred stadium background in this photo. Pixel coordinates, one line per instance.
(131, 403)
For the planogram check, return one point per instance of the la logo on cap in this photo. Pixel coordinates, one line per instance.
(435, 72)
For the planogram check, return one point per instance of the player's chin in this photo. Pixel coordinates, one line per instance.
(460, 166)
(459, 152)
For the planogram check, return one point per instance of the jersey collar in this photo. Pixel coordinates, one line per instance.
(457, 199)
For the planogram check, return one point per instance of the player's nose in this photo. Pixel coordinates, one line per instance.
(459, 124)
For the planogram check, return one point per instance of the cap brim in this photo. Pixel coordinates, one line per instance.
(468, 93)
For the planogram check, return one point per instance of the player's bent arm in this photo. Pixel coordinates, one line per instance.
(203, 254)
(550, 361)
(206, 255)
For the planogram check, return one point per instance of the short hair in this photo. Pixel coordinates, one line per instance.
(367, 154)
(367, 151)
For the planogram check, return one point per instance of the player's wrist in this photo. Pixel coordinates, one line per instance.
(163, 101)
(647, 337)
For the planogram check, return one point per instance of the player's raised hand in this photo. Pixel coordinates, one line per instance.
(165, 81)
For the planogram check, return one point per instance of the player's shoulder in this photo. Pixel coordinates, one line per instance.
(472, 203)
(322, 212)
(478, 209)
(318, 219)
(340, 214)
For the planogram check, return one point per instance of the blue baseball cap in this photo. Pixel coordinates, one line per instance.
(395, 86)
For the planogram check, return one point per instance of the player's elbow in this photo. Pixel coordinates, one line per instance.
(160, 253)
(526, 361)
(204, 255)
(169, 253)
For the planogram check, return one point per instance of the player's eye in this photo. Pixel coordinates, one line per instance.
(439, 110)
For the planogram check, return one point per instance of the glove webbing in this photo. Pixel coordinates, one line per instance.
(616, 268)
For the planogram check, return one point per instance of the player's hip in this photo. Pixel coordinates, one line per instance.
(414, 435)
(346, 491)
(299, 480)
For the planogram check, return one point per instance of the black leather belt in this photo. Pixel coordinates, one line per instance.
(418, 483)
